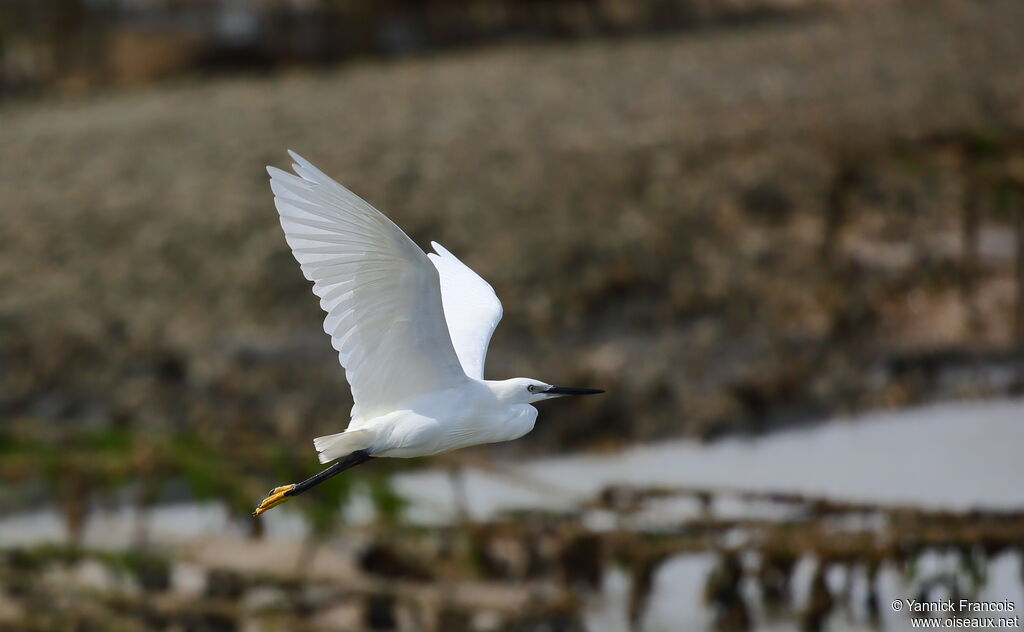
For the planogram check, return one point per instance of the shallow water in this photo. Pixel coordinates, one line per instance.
(954, 455)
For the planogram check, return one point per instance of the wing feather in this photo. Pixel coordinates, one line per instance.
(381, 294)
(471, 308)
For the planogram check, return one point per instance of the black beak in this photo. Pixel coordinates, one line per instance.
(571, 390)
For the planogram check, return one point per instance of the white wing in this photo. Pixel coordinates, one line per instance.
(471, 308)
(381, 295)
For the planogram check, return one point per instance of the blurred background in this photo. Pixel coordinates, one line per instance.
(787, 236)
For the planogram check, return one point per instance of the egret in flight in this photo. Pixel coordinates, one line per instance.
(411, 330)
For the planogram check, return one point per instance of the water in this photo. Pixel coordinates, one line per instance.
(948, 456)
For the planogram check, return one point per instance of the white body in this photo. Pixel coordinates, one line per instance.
(447, 420)
(411, 329)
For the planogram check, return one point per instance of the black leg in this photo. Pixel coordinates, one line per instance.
(279, 495)
(344, 463)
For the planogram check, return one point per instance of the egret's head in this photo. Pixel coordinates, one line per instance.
(528, 390)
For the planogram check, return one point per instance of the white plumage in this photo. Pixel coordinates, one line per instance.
(381, 294)
(411, 329)
(471, 308)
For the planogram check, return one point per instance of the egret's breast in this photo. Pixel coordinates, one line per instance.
(487, 426)
(411, 434)
(520, 422)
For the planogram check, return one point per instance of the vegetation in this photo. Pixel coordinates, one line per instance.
(532, 570)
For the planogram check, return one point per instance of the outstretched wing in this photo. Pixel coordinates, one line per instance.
(471, 308)
(381, 294)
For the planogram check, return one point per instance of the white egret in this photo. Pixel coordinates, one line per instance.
(411, 331)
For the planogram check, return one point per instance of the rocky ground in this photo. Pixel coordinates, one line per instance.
(727, 229)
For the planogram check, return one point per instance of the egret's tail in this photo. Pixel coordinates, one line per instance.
(335, 446)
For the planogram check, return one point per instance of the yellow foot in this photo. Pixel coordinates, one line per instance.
(275, 498)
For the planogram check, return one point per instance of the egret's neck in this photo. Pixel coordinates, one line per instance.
(503, 391)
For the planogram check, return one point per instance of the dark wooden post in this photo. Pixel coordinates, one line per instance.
(969, 221)
(1017, 208)
(847, 177)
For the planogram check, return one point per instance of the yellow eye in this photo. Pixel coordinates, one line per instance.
(531, 388)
